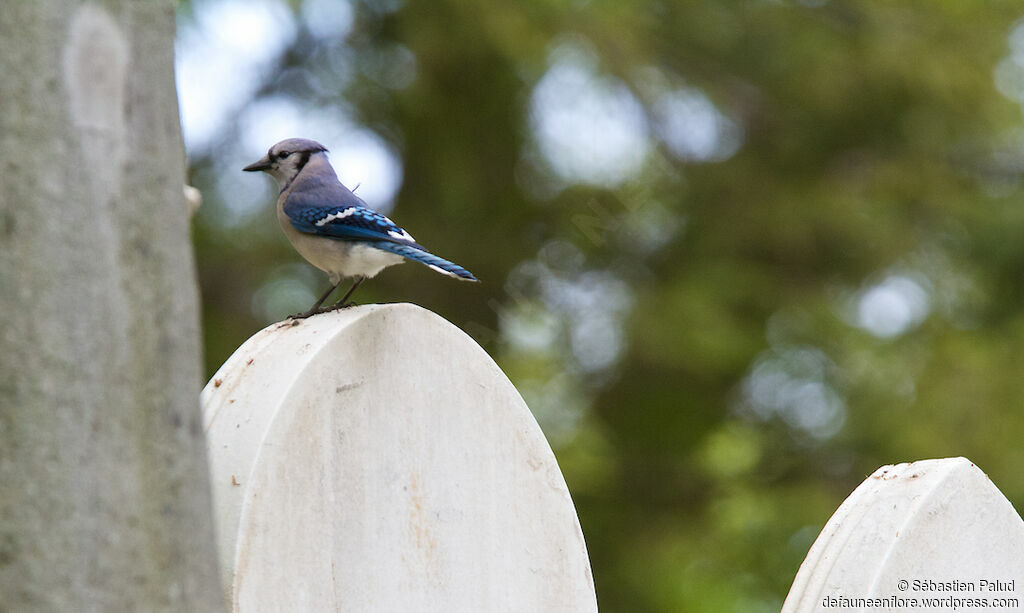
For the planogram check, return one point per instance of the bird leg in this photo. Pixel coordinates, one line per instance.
(341, 304)
(313, 310)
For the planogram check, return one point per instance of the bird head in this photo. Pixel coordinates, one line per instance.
(285, 159)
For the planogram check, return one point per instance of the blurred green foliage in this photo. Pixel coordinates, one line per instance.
(720, 349)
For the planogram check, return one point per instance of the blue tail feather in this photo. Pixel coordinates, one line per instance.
(441, 265)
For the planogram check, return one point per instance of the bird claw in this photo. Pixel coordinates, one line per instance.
(309, 313)
(339, 306)
(316, 311)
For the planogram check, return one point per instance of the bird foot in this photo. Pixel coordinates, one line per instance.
(310, 313)
(317, 311)
(340, 305)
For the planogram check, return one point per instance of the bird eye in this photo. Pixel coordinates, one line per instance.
(283, 154)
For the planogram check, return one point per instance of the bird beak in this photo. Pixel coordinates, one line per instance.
(261, 164)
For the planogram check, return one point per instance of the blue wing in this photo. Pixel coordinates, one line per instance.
(335, 212)
(327, 208)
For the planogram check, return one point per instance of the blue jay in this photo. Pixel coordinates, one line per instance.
(332, 227)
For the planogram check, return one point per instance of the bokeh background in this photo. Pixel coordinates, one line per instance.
(736, 255)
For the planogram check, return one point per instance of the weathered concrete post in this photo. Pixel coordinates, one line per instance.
(377, 459)
(927, 535)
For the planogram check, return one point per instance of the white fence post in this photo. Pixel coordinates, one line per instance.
(932, 535)
(376, 459)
